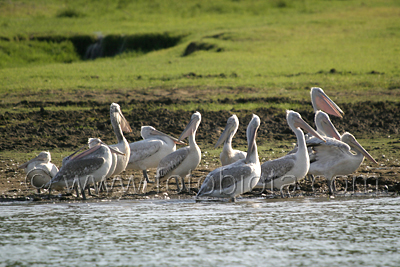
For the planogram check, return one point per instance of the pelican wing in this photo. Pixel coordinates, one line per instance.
(225, 177)
(144, 149)
(78, 168)
(275, 169)
(171, 161)
(315, 142)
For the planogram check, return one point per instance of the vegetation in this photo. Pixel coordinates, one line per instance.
(276, 47)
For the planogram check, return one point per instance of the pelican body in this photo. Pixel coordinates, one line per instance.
(120, 125)
(336, 157)
(88, 167)
(291, 167)
(148, 153)
(181, 162)
(239, 177)
(229, 155)
(40, 170)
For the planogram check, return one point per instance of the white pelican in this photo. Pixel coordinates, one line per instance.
(320, 101)
(120, 125)
(291, 167)
(239, 177)
(40, 170)
(229, 155)
(184, 160)
(88, 167)
(147, 153)
(336, 157)
(324, 125)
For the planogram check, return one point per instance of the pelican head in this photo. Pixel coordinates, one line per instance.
(43, 157)
(251, 134)
(230, 129)
(116, 113)
(149, 131)
(192, 126)
(94, 142)
(324, 124)
(295, 121)
(349, 139)
(321, 101)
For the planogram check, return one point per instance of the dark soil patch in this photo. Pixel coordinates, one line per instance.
(46, 130)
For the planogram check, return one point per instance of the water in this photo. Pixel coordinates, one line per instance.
(255, 232)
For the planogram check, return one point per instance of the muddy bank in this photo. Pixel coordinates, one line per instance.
(49, 128)
(46, 129)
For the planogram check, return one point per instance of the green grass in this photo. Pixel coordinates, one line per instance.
(277, 47)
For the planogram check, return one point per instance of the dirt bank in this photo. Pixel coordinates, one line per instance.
(55, 127)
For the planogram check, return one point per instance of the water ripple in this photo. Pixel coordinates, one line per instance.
(309, 231)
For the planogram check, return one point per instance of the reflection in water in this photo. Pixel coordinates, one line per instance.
(310, 231)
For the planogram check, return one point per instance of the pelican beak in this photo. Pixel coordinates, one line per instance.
(37, 158)
(299, 122)
(115, 151)
(176, 141)
(363, 151)
(190, 129)
(23, 166)
(71, 156)
(329, 129)
(87, 152)
(225, 134)
(252, 144)
(322, 102)
(125, 124)
(252, 130)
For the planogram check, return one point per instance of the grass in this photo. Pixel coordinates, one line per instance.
(277, 47)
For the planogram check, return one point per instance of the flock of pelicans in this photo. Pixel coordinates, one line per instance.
(321, 152)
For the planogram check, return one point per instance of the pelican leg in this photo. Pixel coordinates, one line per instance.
(296, 185)
(177, 184)
(49, 195)
(146, 177)
(312, 181)
(184, 188)
(144, 186)
(88, 189)
(330, 185)
(76, 191)
(82, 190)
(281, 192)
(334, 185)
(101, 186)
(83, 194)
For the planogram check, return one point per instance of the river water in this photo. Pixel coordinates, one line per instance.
(250, 232)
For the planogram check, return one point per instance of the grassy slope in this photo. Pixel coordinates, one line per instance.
(276, 47)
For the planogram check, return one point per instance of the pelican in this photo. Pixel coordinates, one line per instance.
(120, 125)
(184, 160)
(336, 157)
(90, 166)
(147, 153)
(291, 167)
(229, 155)
(40, 170)
(324, 125)
(320, 101)
(239, 177)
